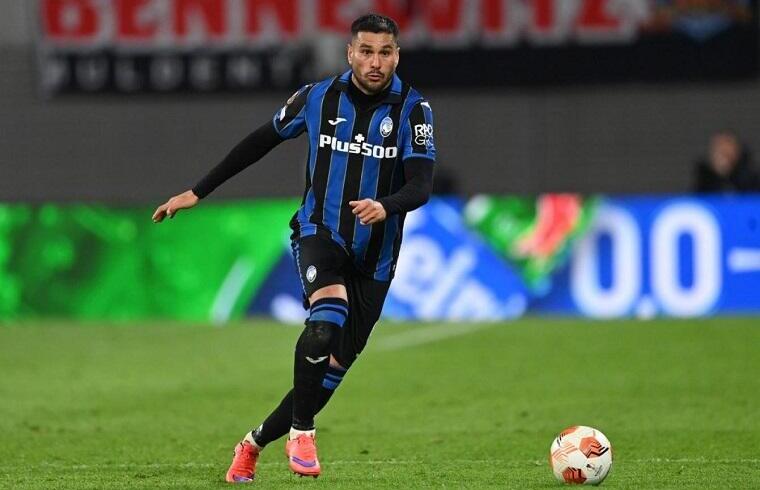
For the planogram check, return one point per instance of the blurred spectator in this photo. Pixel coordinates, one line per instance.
(727, 167)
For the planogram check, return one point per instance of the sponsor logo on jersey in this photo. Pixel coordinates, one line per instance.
(358, 147)
(423, 134)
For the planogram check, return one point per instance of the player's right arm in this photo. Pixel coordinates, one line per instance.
(250, 150)
(288, 122)
(186, 200)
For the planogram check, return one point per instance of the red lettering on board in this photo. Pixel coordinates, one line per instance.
(596, 17)
(443, 16)
(212, 13)
(328, 16)
(544, 15)
(492, 16)
(129, 24)
(285, 11)
(69, 19)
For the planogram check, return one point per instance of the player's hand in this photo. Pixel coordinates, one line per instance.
(186, 200)
(368, 211)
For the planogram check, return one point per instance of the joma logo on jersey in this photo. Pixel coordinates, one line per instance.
(358, 147)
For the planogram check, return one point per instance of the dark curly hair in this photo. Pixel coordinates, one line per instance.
(375, 23)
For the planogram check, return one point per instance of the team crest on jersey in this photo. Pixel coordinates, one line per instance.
(386, 127)
(311, 273)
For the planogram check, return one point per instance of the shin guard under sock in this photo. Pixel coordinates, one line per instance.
(312, 357)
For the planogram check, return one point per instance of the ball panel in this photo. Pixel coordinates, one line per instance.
(567, 431)
(561, 451)
(573, 475)
(591, 447)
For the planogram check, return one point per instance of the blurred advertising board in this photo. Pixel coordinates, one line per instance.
(95, 262)
(445, 272)
(483, 259)
(163, 46)
(677, 256)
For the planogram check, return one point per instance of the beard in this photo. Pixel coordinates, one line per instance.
(373, 86)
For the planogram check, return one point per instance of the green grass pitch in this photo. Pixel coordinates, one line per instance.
(160, 406)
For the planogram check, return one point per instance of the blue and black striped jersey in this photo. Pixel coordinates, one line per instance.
(356, 154)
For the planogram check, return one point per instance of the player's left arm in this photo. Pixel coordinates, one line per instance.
(418, 156)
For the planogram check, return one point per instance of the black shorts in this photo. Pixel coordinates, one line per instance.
(322, 262)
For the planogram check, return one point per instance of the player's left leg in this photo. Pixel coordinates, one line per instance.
(365, 298)
(282, 420)
(319, 261)
(329, 310)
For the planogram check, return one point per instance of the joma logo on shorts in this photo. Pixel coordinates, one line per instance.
(358, 147)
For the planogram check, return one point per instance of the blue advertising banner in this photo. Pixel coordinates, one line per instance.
(669, 256)
(637, 257)
(445, 272)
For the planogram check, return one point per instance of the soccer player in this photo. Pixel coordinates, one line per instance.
(370, 161)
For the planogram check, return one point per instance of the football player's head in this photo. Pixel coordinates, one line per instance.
(373, 52)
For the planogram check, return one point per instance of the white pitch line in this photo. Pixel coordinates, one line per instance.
(428, 334)
(388, 462)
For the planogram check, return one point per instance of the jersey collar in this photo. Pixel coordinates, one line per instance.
(394, 96)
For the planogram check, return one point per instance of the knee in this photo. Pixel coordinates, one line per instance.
(316, 337)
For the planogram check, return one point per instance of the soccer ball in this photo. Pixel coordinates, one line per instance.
(581, 455)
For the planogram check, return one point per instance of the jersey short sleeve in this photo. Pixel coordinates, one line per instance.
(290, 120)
(417, 133)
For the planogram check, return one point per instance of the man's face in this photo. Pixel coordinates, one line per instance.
(373, 58)
(724, 153)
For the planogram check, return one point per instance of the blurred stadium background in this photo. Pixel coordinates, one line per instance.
(568, 135)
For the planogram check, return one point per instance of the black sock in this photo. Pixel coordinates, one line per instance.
(277, 424)
(281, 419)
(311, 361)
